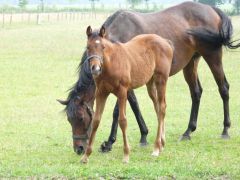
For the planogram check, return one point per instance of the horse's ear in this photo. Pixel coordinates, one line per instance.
(102, 31)
(63, 102)
(89, 31)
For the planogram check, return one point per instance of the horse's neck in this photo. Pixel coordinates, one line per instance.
(111, 55)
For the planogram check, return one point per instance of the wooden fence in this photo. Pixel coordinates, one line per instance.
(7, 19)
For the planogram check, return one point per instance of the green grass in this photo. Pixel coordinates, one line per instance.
(38, 64)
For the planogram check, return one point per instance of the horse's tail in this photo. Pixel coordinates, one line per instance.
(217, 39)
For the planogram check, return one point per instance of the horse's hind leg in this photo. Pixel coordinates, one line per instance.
(191, 77)
(142, 126)
(157, 94)
(214, 61)
(122, 99)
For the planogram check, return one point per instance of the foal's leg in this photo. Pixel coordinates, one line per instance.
(152, 92)
(100, 103)
(141, 123)
(214, 61)
(191, 77)
(122, 98)
(106, 146)
(160, 83)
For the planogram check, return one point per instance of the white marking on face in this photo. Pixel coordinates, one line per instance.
(97, 41)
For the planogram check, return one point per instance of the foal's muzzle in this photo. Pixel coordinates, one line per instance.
(96, 70)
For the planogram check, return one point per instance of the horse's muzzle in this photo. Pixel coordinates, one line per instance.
(79, 150)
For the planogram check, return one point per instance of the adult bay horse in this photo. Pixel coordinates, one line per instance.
(115, 69)
(196, 30)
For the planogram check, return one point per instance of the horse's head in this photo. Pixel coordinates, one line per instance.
(95, 49)
(79, 114)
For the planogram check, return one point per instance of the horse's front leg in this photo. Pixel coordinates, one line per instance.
(106, 146)
(100, 103)
(122, 98)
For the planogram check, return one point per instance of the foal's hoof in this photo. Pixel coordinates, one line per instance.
(105, 147)
(155, 153)
(185, 138)
(125, 159)
(84, 160)
(225, 136)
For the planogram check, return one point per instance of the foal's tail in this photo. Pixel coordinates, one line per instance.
(217, 39)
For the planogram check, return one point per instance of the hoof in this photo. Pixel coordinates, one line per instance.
(155, 153)
(225, 136)
(125, 160)
(143, 144)
(143, 141)
(105, 147)
(185, 138)
(84, 160)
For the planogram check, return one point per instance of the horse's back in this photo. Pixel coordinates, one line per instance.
(172, 23)
(147, 54)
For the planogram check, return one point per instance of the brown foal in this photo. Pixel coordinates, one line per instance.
(119, 67)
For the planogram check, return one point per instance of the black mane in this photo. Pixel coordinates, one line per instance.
(84, 83)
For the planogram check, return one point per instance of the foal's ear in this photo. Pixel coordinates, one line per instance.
(89, 31)
(102, 31)
(63, 102)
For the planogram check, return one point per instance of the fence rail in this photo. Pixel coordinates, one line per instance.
(7, 19)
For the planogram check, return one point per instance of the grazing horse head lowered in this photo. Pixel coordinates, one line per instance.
(115, 69)
(79, 110)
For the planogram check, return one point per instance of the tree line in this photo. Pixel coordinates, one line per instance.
(133, 3)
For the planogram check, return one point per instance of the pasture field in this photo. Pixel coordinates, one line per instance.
(38, 64)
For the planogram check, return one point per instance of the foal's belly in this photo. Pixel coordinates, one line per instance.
(141, 77)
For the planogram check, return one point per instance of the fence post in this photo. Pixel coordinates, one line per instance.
(29, 18)
(48, 17)
(38, 18)
(11, 17)
(3, 18)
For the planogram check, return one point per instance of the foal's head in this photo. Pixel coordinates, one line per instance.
(95, 49)
(79, 114)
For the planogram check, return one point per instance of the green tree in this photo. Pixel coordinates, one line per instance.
(134, 2)
(41, 5)
(146, 3)
(72, 1)
(237, 6)
(211, 2)
(93, 4)
(22, 3)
